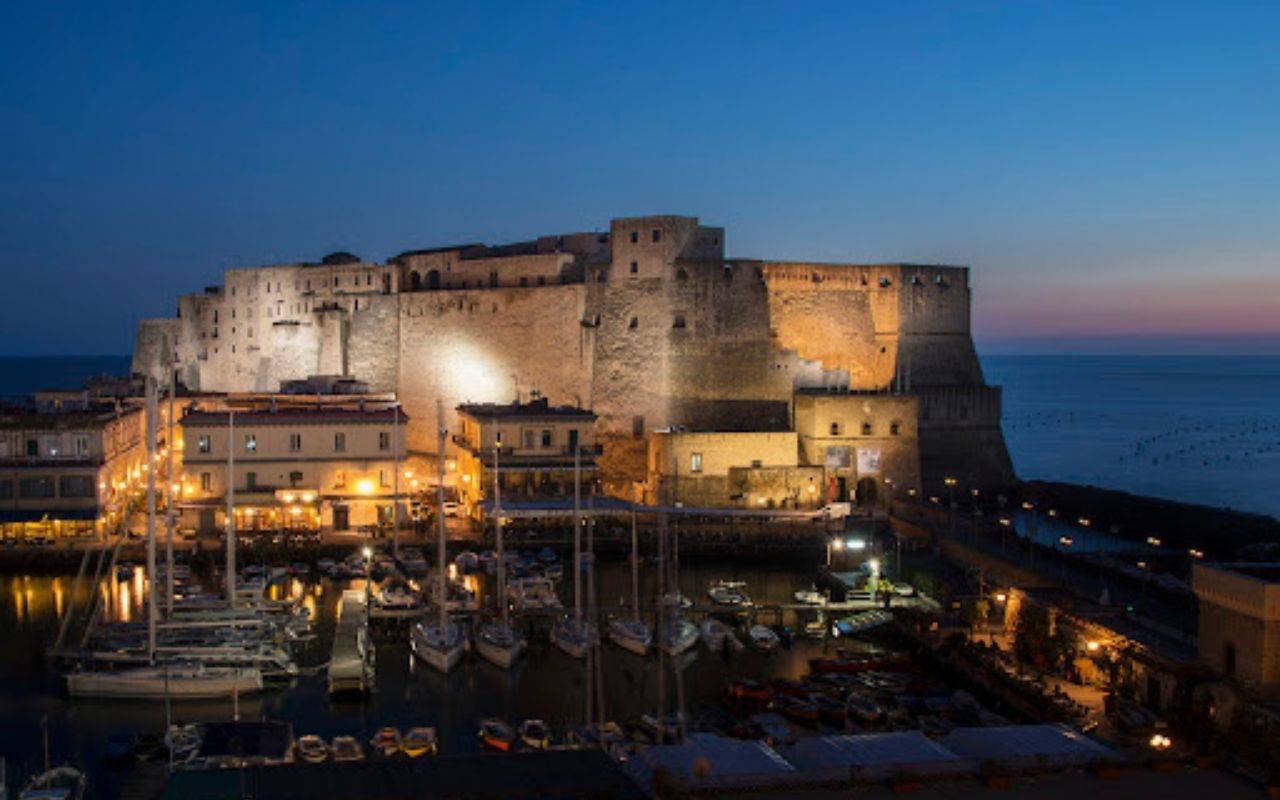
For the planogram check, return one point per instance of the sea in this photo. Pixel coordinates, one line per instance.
(1199, 429)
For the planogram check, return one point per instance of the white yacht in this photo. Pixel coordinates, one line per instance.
(717, 636)
(156, 683)
(763, 638)
(729, 593)
(499, 644)
(677, 636)
(630, 634)
(534, 594)
(574, 637)
(441, 645)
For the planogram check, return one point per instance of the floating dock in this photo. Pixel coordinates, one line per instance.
(351, 662)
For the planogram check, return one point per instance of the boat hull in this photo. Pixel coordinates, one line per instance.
(126, 686)
(499, 655)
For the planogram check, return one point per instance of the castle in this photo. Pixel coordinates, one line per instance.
(649, 325)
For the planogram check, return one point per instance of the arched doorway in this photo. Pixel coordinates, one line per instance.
(433, 279)
(867, 492)
(415, 281)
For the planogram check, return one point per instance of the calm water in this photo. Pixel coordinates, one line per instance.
(547, 684)
(1198, 429)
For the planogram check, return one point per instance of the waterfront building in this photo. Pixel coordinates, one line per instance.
(311, 464)
(649, 323)
(536, 461)
(744, 469)
(69, 466)
(1239, 636)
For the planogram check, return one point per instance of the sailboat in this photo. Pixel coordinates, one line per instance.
(676, 635)
(497, 641)
(441, 642)
(574, 635)
(632, 634)
(159, 681)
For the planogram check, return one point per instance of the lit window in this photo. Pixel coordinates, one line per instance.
(695, 462)
(835, 429)
(295, 442)
(250, 443)
(206, 482)
(203, 444)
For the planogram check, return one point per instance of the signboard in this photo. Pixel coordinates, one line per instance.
(868, 461)
(839, 457)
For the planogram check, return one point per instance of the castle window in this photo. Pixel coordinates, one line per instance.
(635, 323)
(678, 322)
(546, 437)
(866, 429)
(637, 426)
(203, 444)
(635, 237)
(695, 462)
(215, 316)
(600, 276)
(493, 278)
(335, 280)
(295, 443)
(756, 463)
(524, 280)
(940, 281)
(542, 280)
(657, 235)
(835, 429)
(885, 282)
(915, 280)
(415, 281)
(895, 428)
(635, 267)
(863, 280)
(681, 275)
(368, 280)
(728, 272)
(250, 443)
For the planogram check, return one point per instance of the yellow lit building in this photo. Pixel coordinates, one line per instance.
(538, 441)
(297, 466)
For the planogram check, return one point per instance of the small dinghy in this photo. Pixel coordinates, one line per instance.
(497, 735)
(386, 741)
(312, 749)
(535, 734)
(346, 749)
(419, 742)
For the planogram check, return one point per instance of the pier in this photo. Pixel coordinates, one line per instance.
(351, 661)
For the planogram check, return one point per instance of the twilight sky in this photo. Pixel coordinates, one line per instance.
(1111, 171)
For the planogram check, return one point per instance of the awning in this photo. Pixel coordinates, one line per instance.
(70, 514)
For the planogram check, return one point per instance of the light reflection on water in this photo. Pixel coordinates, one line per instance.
(546, 684)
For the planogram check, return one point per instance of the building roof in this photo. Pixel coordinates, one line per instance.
(298, 415)
(883, 751)
(534, 409)
(1046, 745)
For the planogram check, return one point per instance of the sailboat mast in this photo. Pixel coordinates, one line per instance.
(172, 496)
(395, 484)
(497, 525)
(577, 536)
(635, 568)
(442, 591)
(231, 507)
(151, 518)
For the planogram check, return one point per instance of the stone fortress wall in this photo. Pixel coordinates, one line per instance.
(648, 324)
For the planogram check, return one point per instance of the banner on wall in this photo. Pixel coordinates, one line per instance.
(839, 457)
(868, 461)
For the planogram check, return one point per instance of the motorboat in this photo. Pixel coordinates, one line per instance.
(533, 594)
(718, 636)
(182, 741)
(346, 749)
(312, 749)
(678, 636)
(729, 593)
(497, 735)
(412, 562)
(811, 596)
(607, 736)
(631, 635)
(862, 708)
(499, 644)
(188, 681)
(534, 734)
(457, 596)
(574, 637)
(419, 742)
(59, 783)
(674, 599)
(439, 644)
(763, 638)
(396, 601)
(386, 741)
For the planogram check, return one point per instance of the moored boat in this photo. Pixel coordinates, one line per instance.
(386, 741)
(58, 783)
(497, 735)
(763, 638)
(499, 643)
(419, 741)
(677, 636)
(746, 689)
(574, 637)
(534, 734)
(312, 749)
(346, 749)
(631, 635)
(729, 593)
(194, 681)
(717, 636)
(440, 645)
